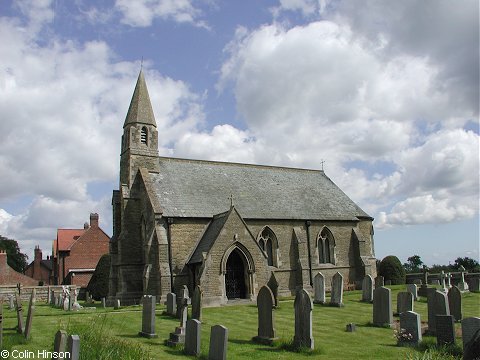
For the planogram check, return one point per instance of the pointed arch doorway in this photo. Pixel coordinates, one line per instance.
(235, 276)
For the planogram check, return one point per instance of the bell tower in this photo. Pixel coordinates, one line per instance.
(140, 136)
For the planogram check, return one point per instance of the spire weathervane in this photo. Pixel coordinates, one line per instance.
(231, 200)
(322, 163)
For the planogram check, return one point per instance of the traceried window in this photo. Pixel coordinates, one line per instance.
(326, 247)
(268, 243)
(144, 136)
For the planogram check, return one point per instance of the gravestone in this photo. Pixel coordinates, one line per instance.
(455, 302)
(178, 336)
(410, 321)
(367, 288)
(319, 289)
(11, 303)
(116, 304)
(470, 326)
(273, 285)
(104, 302)
(423, 291)
(303, 320)
(412, 289)
(462, 285)
(1, 323)
(218, 343)
(442, 281)
(474, 285)
(197, 303)
(379, 281)
(60, 343)
(148, 316)
(404, 302)
(382, 307)
(71, 299)
(449, 280)
(193, 337)
(73, 347)
(351, 327)
(30, 312)
(336, 298)
(437, 303)
(18, 304)
(266, 316)
(171, 304)
(445, 329)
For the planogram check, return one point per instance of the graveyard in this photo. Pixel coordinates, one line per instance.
(109, 333)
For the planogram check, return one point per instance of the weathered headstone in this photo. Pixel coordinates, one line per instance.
(30, 312)
(319, 288)
(351, 327)
(73, 347)
(437, 303)
(474, 285)
(18, 304)
(442, 280)
(445, 329)
(266, 316)
(60, 343)
(197, 299)
(410, 322)
(449, 280)
(336, 298)
(178, 337)
(193, 337)
(471, 338)
(171, 304)
(273, 285)
(104, 302)
(382, 307)
(303, 320)
(367, 288)
(412, 289)
(379, 281)
(462, 285)
(218, 343)
(404, 302)
(148, 316)
(455, 302)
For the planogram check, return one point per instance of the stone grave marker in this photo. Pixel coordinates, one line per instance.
(442, 280)
(351, 327)
(404, 302)
(73, 347)
(193, 337)
(470, 326)
(11, 303)
(18, 304)
(437, 303)
(171, 304)
(379, 281)
(445, 329)
(71, 299)
(319, 288)
(303, 320)
(30, 312)
(412, 289)
(218, 343)
(367, 288)
(148, 316)
(1, 323)
(104, 302)
(178, 337)
(474, 285)
(336, 298)
(449, 280)
(455, 302)
(197, 299)
(116, 304)
(273, 285)
(410, 321)
(266, 316)
(382, 307)
(60, 343)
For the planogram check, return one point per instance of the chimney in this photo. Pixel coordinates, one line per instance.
(3, 260)
(85, 226)
(94, 220)
(36, 262)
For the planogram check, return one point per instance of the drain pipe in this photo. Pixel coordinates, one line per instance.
(169, 238)
(307, 224)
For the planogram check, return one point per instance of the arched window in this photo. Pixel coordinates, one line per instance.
(326, 247)
(268, 243)
(144, 136)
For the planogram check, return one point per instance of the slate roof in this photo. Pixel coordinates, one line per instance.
(197, 188)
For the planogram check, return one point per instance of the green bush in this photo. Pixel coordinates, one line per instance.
(391, 269)
(98, 285)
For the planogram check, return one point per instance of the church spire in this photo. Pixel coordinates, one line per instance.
(140, 110)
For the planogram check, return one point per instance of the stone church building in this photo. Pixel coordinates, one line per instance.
(230, 228)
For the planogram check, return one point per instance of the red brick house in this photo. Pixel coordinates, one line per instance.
(76, 253)
(8, 276)
(40, 269)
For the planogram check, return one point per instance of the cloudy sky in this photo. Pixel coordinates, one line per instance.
(386, 92)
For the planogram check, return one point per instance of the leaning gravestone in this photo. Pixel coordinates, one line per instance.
(273, 285)
(218, 343)
(367, 288)
(60, 343)
(171, 304)
(412, 289)
(445, 329)
(379, 281)
(73, 347)
(193, 337)
(148, 316)
(30, 312)
(303, 320)
(266, 316)
(319, 288)
(455, 302)
(336, 298)
(410, 321)
(404, 302)
(437, 303)
(197, 298)
(18, 304)
(382, 307)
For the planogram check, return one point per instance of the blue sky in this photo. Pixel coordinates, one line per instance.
(386, 92)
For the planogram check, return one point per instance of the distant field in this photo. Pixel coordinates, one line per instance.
(331, 340)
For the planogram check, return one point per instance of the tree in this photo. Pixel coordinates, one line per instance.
(391, 269)
(414, 264)
(469, 264)
(98, 285)
(15, 259)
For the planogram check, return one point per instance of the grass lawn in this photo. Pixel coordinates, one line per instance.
(117, 330)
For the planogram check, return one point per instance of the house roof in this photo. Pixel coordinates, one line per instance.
(67, 237)
(197, 188)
